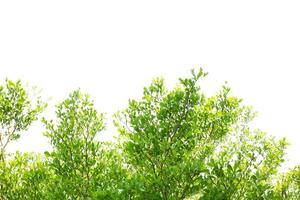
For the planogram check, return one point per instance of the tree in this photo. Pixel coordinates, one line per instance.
(17, 112)
(180, 143)
(77, 159)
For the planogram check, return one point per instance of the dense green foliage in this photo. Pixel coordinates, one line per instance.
(172, 144)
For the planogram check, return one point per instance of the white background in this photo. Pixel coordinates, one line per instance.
(111, 49)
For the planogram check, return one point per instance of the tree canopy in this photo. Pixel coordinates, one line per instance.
(173, 143)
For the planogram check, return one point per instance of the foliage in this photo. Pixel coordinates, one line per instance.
(75, 150)
(244, 167)
(24, 176)
(173, 144)
(178, 144)
(288, 186)
(181, 143)
(17, 112)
